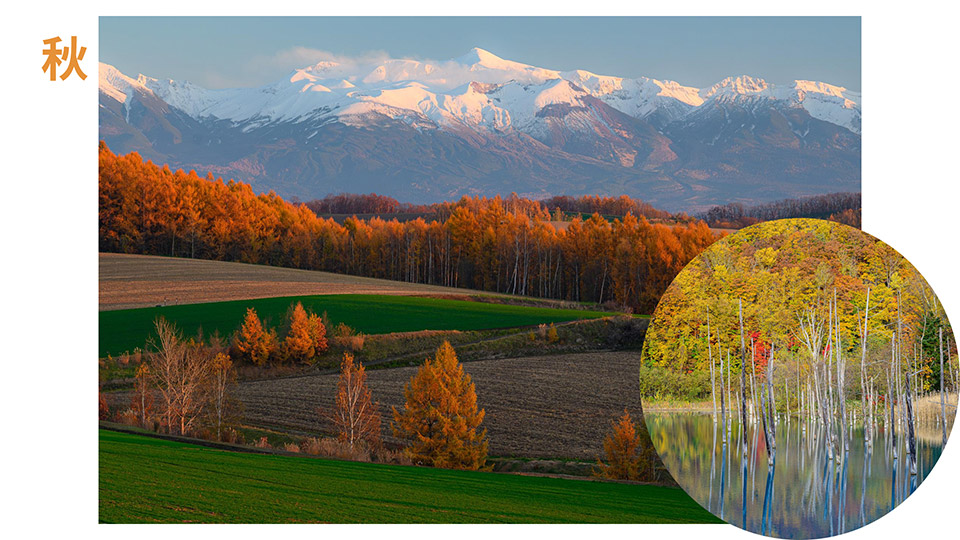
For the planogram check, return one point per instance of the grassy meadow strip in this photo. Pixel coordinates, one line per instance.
(124, 330)
(148, 480)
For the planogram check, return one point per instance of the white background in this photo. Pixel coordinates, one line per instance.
(49, 239)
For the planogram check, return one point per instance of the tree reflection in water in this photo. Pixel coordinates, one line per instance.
(806, 493)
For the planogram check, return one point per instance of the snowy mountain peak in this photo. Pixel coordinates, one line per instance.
(115, 84)
(472, 89)
(742, 85)
(482, 57)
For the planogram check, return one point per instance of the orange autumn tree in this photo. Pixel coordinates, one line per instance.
(318, 334)
(622, 449)
(298, 345)
(440, 418)
(253, 341)
(356, 416)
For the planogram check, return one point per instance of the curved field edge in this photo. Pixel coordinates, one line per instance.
(150, 480)
(125, 330)
(134, 281)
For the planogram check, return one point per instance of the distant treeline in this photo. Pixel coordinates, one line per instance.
(493, 244)
(351, 203)
(593, 204)
(373, 204)
(840, 207)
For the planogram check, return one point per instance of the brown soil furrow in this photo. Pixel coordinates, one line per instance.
(546, 406)
(132, 281)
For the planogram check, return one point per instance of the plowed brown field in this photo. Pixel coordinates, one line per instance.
(546, 406)
(135, 281)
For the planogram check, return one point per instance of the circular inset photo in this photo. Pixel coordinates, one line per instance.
(799, 378)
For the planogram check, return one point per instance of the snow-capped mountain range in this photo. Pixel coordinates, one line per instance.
(480, 124)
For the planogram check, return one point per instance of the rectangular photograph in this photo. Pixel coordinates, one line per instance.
(400, 269)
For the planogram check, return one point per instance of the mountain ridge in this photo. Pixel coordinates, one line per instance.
(485, 123)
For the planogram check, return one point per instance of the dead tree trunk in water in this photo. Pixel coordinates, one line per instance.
(842, 397)
(864, 395)
(911, 440)
(943, 402)
(723, 406)
(743, 383)
(892, 391)
(829, 416)
(753, 380)
(729, 392)
(841, 381)
(766, 413)
(956, 373)
(713, 379)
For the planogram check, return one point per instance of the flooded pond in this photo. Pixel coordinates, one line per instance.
(805, 494)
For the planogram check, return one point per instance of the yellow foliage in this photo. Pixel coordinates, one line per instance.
(298, 345)
(552, 335)
(253, 342)
(441, 419)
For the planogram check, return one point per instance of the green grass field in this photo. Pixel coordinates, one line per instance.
(147, 480)
(124, 330)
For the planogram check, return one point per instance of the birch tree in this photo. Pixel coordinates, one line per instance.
(356, 416)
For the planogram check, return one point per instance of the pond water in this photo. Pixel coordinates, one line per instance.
(805, 494)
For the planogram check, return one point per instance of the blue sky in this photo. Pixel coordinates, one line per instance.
(220, 52)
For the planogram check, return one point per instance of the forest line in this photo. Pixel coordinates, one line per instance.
(491, 244)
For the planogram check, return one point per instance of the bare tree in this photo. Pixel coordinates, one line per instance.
(943, 402)
(222, 377)
(743, 383)
(811, 335)
(713, 382)
(143, 394)
(180, 371)
(864, 394)
(356, 416)
(766, 413)
(723, 406)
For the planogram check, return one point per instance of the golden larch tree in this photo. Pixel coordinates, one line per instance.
(622, 449)
(356, 416)
(441, 419)
(253, 341)
(298, 345)
(318, 333)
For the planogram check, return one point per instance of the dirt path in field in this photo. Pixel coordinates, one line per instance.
(132, 281)
(545, 406)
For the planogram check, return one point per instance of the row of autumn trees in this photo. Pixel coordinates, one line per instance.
(503, 245)
(305, 338)
(186, 387)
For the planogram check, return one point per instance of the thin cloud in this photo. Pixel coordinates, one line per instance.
(266, 68)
